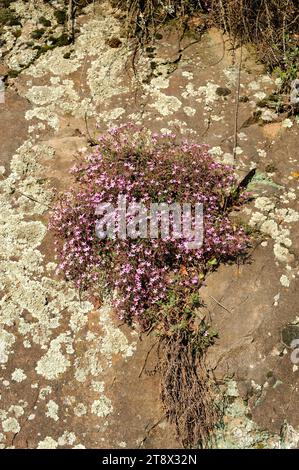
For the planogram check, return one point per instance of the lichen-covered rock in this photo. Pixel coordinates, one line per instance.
(65, 360)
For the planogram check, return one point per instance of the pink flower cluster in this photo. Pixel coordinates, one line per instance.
(145, 168)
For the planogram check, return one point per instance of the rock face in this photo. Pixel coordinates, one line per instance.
(69, 373)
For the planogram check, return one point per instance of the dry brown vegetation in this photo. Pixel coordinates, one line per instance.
(272, 25)
(186, 392)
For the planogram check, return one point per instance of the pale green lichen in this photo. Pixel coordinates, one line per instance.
(52, 364)
(6, 341)
(102, 407)
(56, 99)
(47, 443)
(18, 375)
(189, 111)
(271, 221)
(284, 281)
(11, 425)
(80, 410)
(208, 92)
(17, 410)
(239, 431)
(165, 104)
(45, 299)
(67, 438)
(52, 410)
(113, 341)
(18, 61)
(53, 61)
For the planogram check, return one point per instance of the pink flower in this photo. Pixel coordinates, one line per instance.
(156, 169)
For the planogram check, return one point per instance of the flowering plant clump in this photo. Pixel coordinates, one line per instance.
(145, 168)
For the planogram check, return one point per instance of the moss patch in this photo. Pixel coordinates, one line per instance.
(37, 33)
(60, 16)
(8, 17)
(45, 22)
